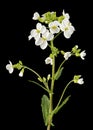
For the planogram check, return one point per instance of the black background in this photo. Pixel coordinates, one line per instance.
(20, 100)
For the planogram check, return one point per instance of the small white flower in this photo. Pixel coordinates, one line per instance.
(36, 16)
(43, 41)
(21, 73)
(80, 81)
(9, 67)
(54, 27)
(66, 15)
(82, 55)
(35, 33)
(48, 60)
(67, 55)
(67, 28)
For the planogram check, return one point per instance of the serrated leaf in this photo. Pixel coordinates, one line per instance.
(58, 73)
(45, 108)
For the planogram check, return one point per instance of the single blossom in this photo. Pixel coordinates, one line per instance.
(21, 73)
(9, 67)
(54, 27)
(36, 16)
(80, 81)
(82, 55)
(67, 55)
(43, 41)
(67, 28)
(36, 33)
(48, 60)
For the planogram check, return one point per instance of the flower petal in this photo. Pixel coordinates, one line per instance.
(38, 41)
(36, 16)
(44, 45)
(67, 34)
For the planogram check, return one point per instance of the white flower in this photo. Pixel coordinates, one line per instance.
(82, 55)
(9, 67)
(67, 28)
(43, 41)
(66, 15)
(48, 60)
(35, 33)
(80, 81)
(67, 55)
(21, 74)
(54, 27)
(36, 16)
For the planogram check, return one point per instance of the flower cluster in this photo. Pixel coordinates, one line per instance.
(52, 25)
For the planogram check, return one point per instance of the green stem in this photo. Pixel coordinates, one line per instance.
(38, 85)
(57, 35)
(62, 95)
(25, 67)
(52, 88)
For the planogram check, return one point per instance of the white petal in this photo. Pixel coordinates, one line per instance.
(43, 29)
(82, 55)
(36, 16)
(50, 37)
(80, 81)
(30, 37)
(72, 29)
(38, 42)
(66, 15)
(44, 45)
(9, 68)
(50, 24)
(35, 34)
(67, 55)
(39, 26)
(56, 30)
(21, 74)
(48, 60)
(67, 34)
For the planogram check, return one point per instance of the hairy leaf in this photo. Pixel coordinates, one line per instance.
(45, 108)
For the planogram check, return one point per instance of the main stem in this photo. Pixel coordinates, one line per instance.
(51, 94)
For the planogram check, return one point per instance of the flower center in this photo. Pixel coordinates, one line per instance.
(54, 27)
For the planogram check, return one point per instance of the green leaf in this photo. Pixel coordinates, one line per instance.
(58, 73)
(63, 103)
(45, 108)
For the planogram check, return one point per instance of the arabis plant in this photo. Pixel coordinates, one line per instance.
(48, 27)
